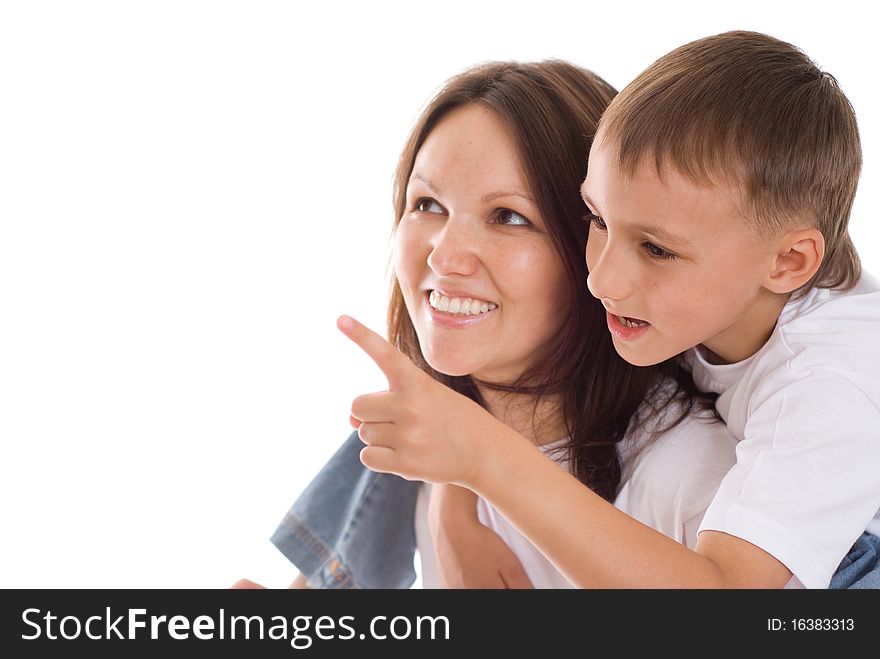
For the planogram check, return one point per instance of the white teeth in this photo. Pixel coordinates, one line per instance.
(626, 322)
(462, 306)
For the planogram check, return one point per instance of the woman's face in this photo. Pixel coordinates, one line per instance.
(483, 284)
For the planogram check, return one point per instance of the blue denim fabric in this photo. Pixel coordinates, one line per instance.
(861, 566)
(352, 527)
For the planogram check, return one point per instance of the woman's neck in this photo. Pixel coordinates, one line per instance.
(539, 424)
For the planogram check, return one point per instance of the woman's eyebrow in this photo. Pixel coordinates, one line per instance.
(506, 193)
(419, 177)
(489, 196)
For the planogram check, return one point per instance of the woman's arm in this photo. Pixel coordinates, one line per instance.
(469, 554)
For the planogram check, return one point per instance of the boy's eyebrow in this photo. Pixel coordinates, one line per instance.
(661, 233)
(586, 197)
(485, 198)
(664, 235)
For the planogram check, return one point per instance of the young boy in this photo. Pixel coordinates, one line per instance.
(720, 185)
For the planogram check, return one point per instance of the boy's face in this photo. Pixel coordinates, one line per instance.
(675, 264)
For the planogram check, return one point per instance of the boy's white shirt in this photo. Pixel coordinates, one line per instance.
(698, 451)
(806, 411)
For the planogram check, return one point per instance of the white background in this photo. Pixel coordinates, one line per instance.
(191, 193)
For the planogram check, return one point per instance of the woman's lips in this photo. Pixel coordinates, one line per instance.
(627, 329)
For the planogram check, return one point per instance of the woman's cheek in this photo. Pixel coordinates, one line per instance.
(540, 272)
(405, 257)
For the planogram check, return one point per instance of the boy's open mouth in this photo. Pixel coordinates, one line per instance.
(632, 323)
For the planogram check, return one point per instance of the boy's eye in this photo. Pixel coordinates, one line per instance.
(428, 205)
(658, 253)
(511, 218)
(596, 221)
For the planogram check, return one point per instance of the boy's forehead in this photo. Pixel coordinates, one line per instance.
(659, 171)
(660, 197)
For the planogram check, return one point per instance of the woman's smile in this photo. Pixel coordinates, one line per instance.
(458, 312)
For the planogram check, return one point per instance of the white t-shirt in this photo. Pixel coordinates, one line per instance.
(806, 482)
(667, 485)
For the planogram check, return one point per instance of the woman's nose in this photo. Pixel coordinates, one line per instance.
(455, 248)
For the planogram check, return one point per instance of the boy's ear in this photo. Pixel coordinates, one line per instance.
(798, 257)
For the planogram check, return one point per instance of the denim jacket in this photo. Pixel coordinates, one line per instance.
(352, 527)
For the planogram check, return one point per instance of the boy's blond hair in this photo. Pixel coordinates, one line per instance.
(748, 108)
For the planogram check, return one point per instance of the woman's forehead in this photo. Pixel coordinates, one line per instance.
(470, 146)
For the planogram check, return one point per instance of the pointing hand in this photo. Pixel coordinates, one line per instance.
(419, 429)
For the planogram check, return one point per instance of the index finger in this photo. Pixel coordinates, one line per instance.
(396, 366)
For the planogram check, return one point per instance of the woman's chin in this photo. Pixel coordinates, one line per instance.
(451, 366)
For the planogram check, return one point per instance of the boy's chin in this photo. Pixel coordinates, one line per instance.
(638, 357)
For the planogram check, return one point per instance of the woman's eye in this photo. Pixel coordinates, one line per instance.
(511, 218)
(658, 253)
(428, 205)
(596, 221)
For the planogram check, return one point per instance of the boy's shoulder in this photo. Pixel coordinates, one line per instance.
(822, 356)
(860, 304)
(824, 346)
(828, 334)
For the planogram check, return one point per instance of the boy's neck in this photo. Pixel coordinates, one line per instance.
(749, 333)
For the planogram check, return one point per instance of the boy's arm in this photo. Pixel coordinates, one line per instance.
(469, 554)
(596, 545)
(422, 430)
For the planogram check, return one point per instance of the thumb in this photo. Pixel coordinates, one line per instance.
(397, 367)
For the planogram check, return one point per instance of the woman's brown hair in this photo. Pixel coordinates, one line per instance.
(552, 109)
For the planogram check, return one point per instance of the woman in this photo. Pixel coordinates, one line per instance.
(488, 298)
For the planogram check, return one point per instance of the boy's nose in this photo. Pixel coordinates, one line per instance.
(455, 249)
(608, 278)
